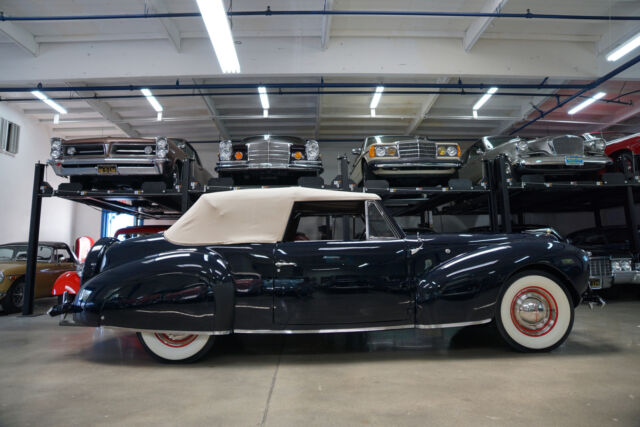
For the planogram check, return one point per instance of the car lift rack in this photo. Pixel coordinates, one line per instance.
(497, 197)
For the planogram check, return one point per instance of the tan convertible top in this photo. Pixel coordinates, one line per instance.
(247, 216)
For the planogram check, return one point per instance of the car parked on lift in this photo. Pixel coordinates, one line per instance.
(405, 160)
(53, 258)
(125, 163)
(565, 157)
(71, 281)
(269, 159)
(308, 274)
(624, 150)
(611, 258)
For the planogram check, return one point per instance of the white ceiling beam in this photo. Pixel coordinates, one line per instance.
(623, 115)
(171, 29)
(316, 131)
(213, 110)
(20, 36)
(326, 25)
(479, 25)
(428, 102)
(107, 112)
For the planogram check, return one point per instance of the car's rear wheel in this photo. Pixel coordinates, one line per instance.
(175, 347)
(535, 312)
(12, 302)
(624, 164)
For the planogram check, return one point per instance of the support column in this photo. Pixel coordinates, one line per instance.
(34, 235)
(344, 172)
(505, 205)
(493, 194)
(632, 222)
(185, 179)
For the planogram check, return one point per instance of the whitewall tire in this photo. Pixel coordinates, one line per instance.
(535, 312)
(175, 347)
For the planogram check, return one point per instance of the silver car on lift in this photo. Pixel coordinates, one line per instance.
(565, 157)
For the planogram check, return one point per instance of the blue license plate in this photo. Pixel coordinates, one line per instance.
(574, 160)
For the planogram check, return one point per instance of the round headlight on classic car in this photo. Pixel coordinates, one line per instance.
(225, 149)
(148, 150)
(625, 265)
(452, 151)
(380, 151)
(55, 154)
(162, 147)
(312, 149)
(523, 146)
(71, 151)
(56, 148)
(615, 266)
(599, 145)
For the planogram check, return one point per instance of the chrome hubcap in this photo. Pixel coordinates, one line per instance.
(534, 311)
(176, 340)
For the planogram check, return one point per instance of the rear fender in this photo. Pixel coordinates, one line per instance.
(66, 282)
(176, 290)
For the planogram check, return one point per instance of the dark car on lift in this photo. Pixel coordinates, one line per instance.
(611, 259)
(125, 163)
(282, 261)
(405, 160)
(269, 159)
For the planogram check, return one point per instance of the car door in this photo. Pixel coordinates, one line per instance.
(324, 279)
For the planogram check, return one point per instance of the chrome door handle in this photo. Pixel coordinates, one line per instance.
(282, 264)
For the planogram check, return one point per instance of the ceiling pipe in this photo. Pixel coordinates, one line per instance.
(270, 12)
(594, 84)
(302, 93)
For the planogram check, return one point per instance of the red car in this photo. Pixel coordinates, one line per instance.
(623, 148)
(71, 280)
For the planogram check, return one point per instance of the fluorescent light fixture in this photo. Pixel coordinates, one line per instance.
(475, 114)
(373, 112)
(152, 100)
(217, 24)
(264, 98)
(266, 136)
(376, 98)
(586, 103)
(56, 119)
(485, 98)
(159, 117)
(265, 113)
(42, 97)
(624, 48)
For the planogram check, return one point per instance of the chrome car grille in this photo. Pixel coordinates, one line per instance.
(132, 149)
(568, 145)
(85, 149)
(268, 152)
(600, 267)
(417, 149)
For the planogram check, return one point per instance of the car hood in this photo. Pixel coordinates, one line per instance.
(13, 267)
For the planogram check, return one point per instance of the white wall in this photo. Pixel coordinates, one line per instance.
(16, 175)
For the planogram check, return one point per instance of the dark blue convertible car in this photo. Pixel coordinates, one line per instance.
(299, 260)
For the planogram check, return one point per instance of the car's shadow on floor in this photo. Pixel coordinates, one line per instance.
(475, 342)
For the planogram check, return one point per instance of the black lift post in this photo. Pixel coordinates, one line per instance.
(34, 234)
(505, 205)
(344, 172)
(632, 222)
(185, 176)
(489, 175)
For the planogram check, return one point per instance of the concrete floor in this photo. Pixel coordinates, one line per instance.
(51, 375)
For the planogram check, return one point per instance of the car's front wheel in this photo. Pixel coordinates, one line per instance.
(175, 347)
(535, 312)
(624, 164)
(12, 302)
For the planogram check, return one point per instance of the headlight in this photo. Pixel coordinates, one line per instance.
(625, 265)
(1, 276)
(382, 150)
(83, 295)
(162, 147)
(615, 266)
(599, 146)
(225, 150)
(148, 150)
(56, 148)
(448, 150)
(312, 149)
(71, 151)
(523, 146)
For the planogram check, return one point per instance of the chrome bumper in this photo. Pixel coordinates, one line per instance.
(413, 166)
(244, 165)
(626, 278)
(125, 165)
(592, 163)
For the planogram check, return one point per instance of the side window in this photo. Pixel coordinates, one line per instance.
(63, 255)
(324, 221)
(9, 136)
(44, 253)
(377, 225)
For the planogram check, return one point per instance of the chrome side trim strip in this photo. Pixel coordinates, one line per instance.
(163, 331)
(454, 325)
(320, 331)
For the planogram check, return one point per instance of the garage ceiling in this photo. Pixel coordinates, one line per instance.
(377, 50)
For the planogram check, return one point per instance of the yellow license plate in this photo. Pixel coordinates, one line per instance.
(107, 170)
(595, 283)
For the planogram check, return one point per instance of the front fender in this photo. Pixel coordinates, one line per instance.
(66, 282)
(176, 290)
(465, 288)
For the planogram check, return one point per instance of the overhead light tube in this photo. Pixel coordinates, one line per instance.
(265, 113)
(586, 103)
(42, 97)
(217, 24)
(373, 112)
(152, 100)
(376, 97)
(624, 48)
(485, 98)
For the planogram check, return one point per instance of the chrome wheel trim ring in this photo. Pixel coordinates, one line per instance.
(534, 311)
(17, 296)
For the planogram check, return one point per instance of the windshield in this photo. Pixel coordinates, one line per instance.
(495, 141)
(607, 136)
(19, 253)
